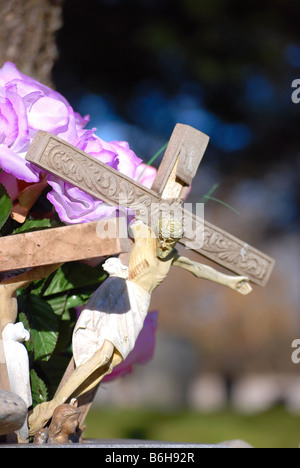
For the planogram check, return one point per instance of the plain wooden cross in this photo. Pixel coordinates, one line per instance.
(58, 245)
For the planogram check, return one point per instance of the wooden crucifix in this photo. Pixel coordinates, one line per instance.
(179, 166)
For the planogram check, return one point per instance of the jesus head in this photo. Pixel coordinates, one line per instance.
(170, 231)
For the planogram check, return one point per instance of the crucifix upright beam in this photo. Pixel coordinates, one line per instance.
(179, 165)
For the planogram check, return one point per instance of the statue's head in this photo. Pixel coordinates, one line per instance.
(170, 231)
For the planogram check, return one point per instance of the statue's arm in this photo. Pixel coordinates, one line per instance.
(237, 283)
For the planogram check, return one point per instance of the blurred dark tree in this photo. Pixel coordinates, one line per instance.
(27, 35)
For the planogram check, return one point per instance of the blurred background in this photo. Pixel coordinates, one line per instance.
(222, 366)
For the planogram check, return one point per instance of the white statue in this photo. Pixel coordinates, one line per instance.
(17, 364)
(14, 334)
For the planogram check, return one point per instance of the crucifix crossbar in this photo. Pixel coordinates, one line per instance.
(175, 174)
(58, 245)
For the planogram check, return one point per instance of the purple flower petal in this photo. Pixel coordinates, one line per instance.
(8, 73)
(13, 164)
(31, 99)
(49, 115)
(81, 122)
(69, 134)
(92, 145)
(145, 175)
(20, 110)
(128, 161)
(11, 185)
(74, 206)
(8, 122)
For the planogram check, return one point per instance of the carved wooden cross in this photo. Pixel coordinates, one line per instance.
(179, 165)
(175, 175)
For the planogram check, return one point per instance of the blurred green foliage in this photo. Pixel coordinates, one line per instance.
(276, 428)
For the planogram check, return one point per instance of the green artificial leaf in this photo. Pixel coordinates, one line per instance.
(60, 303)
(43, 325)
(53, 371)
(77, 300)
(208, 196)
(66, 325)
(38, 389)
(209, 193)
(5, 206)
(222, 203)
(33, 225)
(23, 318)
(71, 276)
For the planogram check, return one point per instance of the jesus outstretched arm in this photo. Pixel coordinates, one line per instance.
(239, 284)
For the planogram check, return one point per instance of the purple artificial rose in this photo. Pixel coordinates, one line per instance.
(27, 106)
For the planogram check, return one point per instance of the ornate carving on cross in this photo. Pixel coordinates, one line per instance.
(178, 167)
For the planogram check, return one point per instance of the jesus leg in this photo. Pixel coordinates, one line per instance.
(83, 379)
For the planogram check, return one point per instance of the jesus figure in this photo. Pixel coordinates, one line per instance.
(110, 324)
